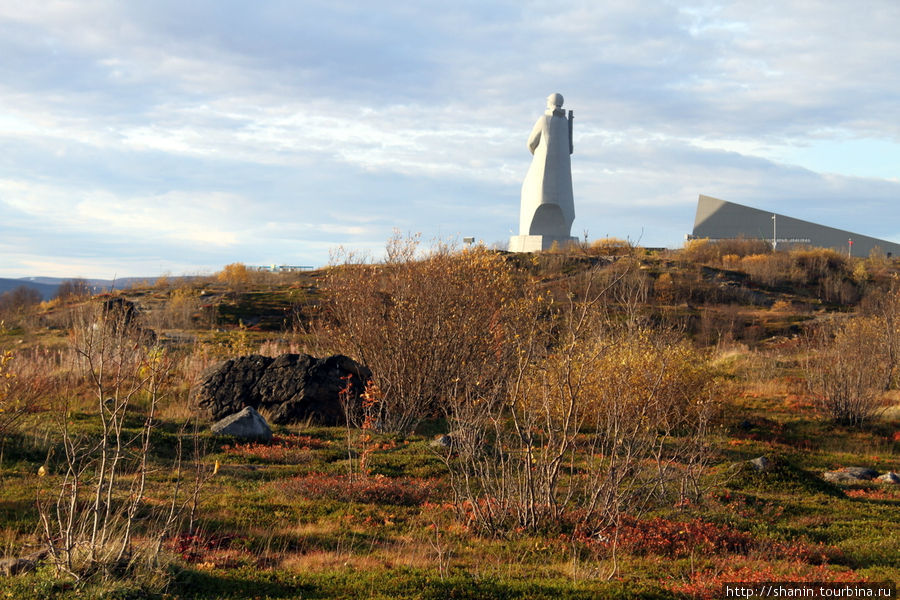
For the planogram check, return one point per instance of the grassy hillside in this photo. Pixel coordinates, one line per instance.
(375, 512)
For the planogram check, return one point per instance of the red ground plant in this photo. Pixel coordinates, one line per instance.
(281, 449)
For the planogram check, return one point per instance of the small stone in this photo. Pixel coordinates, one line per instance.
(889, 477)
(245, 424)
(839, 477)
(761, 463)
(442, 441)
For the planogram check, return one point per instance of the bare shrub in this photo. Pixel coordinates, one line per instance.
(878, 264)
(18, 303)
(92, 512)
(626, 287)
(700, 251)
(723, 252)
(847, 368)
(769, 269)
(834, 276)
(593, 422)
(813, 264)
(884, 305)
(73, 289)
(720, 325)
(742, 247)
(428, 327)
(180, 310)
(25, 380)
(610, 247)
(275, 348)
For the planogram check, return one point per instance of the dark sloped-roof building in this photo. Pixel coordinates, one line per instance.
(717, 219)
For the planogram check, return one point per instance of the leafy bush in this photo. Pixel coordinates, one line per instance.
(235, 275)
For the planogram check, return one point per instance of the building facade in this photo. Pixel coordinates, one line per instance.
(717, 219)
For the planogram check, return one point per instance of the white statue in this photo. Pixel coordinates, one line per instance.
(548, 207)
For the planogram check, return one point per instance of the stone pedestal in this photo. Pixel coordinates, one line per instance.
(537, 243)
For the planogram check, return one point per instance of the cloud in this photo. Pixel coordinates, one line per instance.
(171, 217)
(221, 131)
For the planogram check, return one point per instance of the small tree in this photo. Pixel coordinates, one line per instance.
(17, 307)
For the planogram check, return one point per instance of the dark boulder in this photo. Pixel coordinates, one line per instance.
(291, 387)
(118, 312)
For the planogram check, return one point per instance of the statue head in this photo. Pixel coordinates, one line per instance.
(554, 101)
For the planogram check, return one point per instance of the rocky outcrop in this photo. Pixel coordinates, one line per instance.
(291, 387)
(850, 475)
(859, 475)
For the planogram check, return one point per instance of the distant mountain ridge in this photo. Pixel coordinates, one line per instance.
(46, 290)
(48, 286)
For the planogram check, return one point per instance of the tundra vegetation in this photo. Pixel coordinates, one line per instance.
(570, 424)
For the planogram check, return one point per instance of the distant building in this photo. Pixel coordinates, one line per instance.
(719, 220)
(283, 268)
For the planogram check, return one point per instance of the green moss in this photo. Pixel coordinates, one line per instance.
(398, 584)
(781, 476)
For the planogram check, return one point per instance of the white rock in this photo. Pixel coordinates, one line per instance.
(244, 424)
(889, 477)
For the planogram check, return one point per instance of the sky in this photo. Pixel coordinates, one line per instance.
(149, 137)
